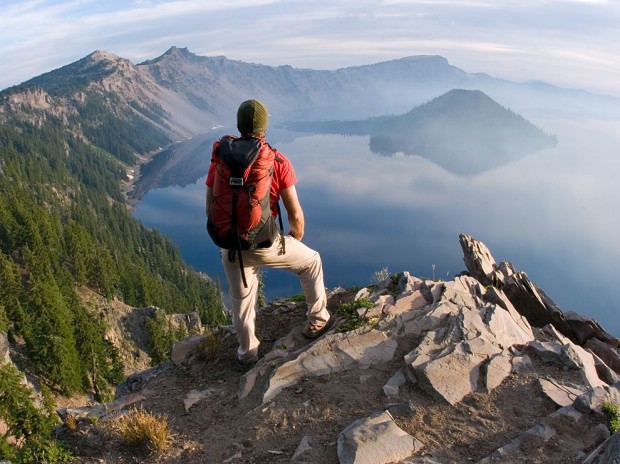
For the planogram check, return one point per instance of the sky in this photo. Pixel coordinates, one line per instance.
(569, 43)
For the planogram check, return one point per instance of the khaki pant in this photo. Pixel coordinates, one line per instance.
(300, 259)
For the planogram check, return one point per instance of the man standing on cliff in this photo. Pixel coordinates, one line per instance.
(286, 252)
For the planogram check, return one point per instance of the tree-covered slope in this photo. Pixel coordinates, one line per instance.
(64, 224)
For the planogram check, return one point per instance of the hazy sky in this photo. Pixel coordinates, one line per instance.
(571, 43)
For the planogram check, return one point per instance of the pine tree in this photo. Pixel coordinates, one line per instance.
(49, 336)
(4, 319)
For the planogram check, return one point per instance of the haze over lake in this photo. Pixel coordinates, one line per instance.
(553, 214)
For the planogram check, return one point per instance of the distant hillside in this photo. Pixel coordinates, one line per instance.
(179, 94)
(465, 131)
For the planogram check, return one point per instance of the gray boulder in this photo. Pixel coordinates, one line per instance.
(462, 337)
(375, 440)
(607, 453)
(358, 349)
(566, 426)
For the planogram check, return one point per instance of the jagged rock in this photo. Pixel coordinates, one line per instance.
(460, 333)
(414, 323)
(478, 259)
(383, 303)
(593, 400)
(566, 426)
(552, 332)
(582, 360)
(507, 326)
(521, 364)
(607, 453)
(499, 298)
(608, 354)
(585, 328)
(361, 349)
(134, 382)
(497, 369)
(375, 440)
(408, 283)
(534, 304)
(547, 351)
(571, 356)
(392, 387)
(182, 351)
(304, 446)
(450, 375)
(194, 396)
(605, 373)
(528, 299)
(362, 293)
(562, 395)
(100, 411)
(411, 302)
(188, 321)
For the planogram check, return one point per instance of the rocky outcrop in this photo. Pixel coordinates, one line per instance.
(532, 302)
(128, 330)
(450, 341)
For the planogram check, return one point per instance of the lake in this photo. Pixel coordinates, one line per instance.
(553, 214)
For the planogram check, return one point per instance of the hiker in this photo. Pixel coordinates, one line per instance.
(243, 258)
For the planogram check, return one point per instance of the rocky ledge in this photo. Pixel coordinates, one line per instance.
(467, 347)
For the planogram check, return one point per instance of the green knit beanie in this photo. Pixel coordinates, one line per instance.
(252, 117)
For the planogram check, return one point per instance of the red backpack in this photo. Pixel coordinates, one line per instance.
(241, 217)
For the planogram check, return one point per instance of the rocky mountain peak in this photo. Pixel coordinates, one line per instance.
(101, 55)
(173, 57)
(177, 51)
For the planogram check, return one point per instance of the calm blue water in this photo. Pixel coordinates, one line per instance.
(553, 214)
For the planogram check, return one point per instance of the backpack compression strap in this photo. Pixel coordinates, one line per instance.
(238, 250)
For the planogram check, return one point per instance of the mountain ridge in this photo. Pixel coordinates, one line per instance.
(209, 88)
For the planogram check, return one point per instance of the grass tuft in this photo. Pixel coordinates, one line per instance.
(614, 416)
(145, 430)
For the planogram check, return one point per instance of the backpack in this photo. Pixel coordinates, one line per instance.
(241, 216)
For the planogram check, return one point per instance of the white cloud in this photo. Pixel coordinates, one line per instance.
(570, 43)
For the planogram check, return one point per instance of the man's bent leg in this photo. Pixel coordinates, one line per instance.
(243, 302)
(307, 264)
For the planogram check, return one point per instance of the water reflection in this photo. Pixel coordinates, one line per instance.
(553, 214)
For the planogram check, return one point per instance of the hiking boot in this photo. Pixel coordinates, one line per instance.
(316, 329)
(246, 363)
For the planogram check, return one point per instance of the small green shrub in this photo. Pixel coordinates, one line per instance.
(300, 298)
(614, 416)
(348, 311)
(26, 422)
(209, 348)
(44, 451)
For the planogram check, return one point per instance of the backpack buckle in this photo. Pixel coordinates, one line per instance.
(236, 181)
